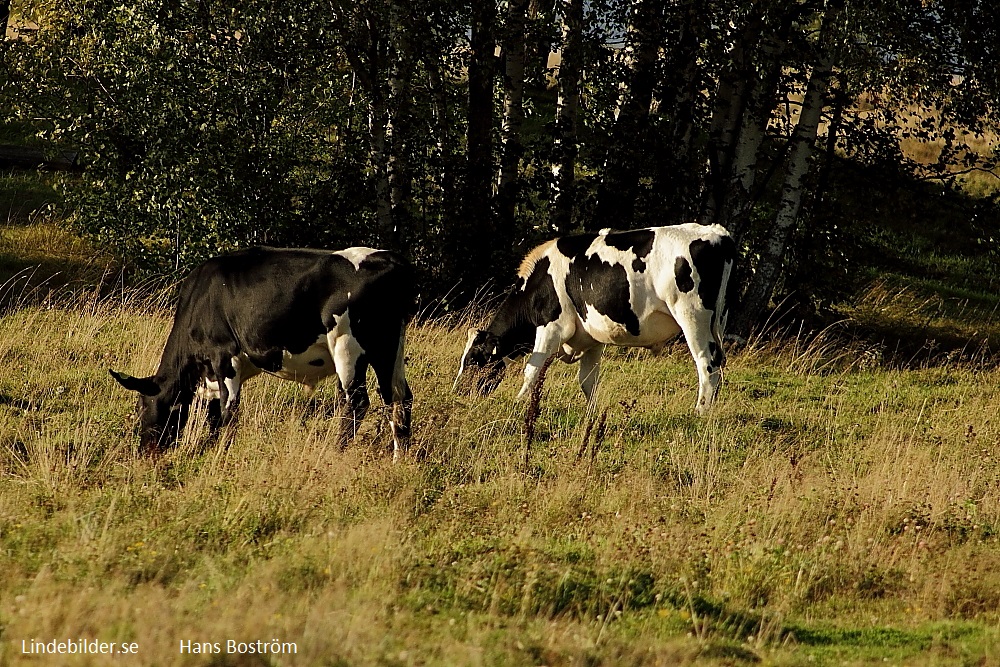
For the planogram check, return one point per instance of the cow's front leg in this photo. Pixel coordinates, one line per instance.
(548, 341)
(357, 403)
(590, 370)
(230, 377)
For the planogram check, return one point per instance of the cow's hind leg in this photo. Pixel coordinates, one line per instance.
(708, 356)
(590, 371)
(396, 394)
(351, 365)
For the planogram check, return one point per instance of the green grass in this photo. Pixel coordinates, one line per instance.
(23, 193)
(829, 511)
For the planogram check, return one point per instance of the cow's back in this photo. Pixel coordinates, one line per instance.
(268, 299)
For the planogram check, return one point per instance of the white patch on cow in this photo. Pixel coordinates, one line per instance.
(345, 349)
(610, 254)
(305, 367)
(605, 330)
(208, 390)
(548, 341)
(356, 255)
(243, 369)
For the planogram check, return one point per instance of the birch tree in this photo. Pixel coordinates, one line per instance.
(803, 142)
(728, 107)
(567, 112)
(620, 176)
(760, 103)
(364, 30)
(677, 175)
(514, 54)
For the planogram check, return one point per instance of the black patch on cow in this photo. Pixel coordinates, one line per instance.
(639, 241)
(604, 286)
(574, 246)
(710, 259)
(534, 303)
(317, 362)
(544, 301)
(682, 275)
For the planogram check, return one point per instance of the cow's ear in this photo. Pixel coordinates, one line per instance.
(145, 386)
(471, 336)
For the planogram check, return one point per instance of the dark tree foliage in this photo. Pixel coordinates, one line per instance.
(462, 132)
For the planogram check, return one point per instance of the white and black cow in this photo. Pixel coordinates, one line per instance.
(638, 288)
(298, 314)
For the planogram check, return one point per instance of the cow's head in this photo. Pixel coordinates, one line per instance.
(161, 418)
(482, 366)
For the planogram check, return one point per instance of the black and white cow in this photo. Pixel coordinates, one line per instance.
(638, 288)
(298, 314)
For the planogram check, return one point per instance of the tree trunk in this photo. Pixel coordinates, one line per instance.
(739, 199)
(803, 141)
(678, 162)
(513, 119)
(727, 117)
(540, 20)
(478, 190)
(399, 130)
(617, 192)
(840, 98)
(567, 109)
(378, 125)
(4, 18)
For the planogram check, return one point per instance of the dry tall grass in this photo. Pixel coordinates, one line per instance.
(830, 511)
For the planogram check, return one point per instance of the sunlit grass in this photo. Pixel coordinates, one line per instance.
(830, 509)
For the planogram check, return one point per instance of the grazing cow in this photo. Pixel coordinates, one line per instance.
(298, 314)
(639, 288)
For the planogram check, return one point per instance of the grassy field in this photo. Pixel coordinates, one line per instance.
(833, 510)
(840, 506)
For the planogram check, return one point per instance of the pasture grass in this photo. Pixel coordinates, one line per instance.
(833, 510)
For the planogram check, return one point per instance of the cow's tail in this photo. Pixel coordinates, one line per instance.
(400, 389)
(720, 317)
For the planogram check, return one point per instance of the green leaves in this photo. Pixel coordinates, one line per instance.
(200, 126)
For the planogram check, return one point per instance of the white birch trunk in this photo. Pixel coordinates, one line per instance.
(378, 123)
(739, 199)
(803, 144)
(513, 108)
(727, 116)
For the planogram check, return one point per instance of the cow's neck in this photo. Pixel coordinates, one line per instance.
(513, 326)
(179, 371)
